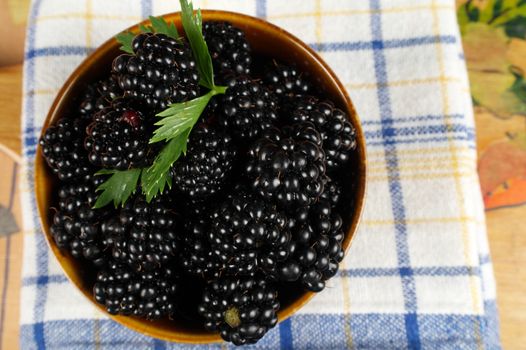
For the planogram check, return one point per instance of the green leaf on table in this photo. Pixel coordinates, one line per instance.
(193, 26)
(157, 177)
(118, 188)
(125, 39)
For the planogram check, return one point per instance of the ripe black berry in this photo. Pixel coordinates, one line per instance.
(160, 72)
(144, 235)
(317, 236)
(332, 192)
(285, 80)
(288, 166)
(98, 96)
(62, 146)
(242, 310)
(149, 294)
(76, 226)
(337, 132)
(228, 47)
(248, 234)
(118, 137)
(197, 257)
(207, 165)
(248, 108)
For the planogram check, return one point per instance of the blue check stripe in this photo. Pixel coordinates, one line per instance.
(378, 44)
(397, 131)
(41, 251)
(67, 50)
(352, 272)
(395, 186)
(58, 51)
(146, 8)
(412, 119)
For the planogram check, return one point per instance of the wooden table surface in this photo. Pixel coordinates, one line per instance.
(499, 126)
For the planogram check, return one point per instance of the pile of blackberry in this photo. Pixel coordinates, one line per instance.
(258, 204)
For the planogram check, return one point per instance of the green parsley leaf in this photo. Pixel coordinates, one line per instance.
(157, 176)
(125, 39)
(179, 117)
(118, 188)
(145, 29)
(192, 25)
(159, 25)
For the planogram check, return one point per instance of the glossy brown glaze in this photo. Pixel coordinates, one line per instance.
(265, 39)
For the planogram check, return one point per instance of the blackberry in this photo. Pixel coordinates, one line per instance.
(62, 147)
(338, 134)
(228, 47)
(148, 294)
(286, 80)
(160, 72)
(248, 234)
(248, 108)
(118, 137)
(98, 96)
(76, 226)
(317, 236)
(332, 192)
(196, 257)
(207, 165)
(242, 310)
(144, 235)
(288, 166)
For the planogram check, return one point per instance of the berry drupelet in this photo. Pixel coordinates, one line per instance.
(118, 137)
(242, 310)
(286, 80)
(248, 108)
(149, 294)
(144, 235)
(207, 165)
(160, 72)
(248, 234)
(288, 166)
(228, 48)
(98, 96)
(62, 146)
(338, 134)
(76, 226)
(317, 235)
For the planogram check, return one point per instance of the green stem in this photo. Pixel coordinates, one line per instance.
(217, 90)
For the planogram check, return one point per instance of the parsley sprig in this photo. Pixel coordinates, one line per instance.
(175, 123)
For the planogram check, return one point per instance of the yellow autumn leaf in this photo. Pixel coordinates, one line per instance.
(485, 47)
(516, 54)
(490, 77)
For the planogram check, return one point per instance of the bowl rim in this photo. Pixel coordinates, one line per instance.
(104, 49)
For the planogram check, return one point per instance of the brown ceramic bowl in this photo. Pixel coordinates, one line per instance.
(265, 39)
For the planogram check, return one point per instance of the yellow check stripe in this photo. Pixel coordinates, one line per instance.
(468, 258)
(426, 176)
(357, 12)
(423, 221)
(347, 308)
(398, 83)
(41, 92)
(421, 152)
(78, 15)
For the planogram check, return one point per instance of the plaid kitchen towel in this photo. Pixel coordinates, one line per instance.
(418, 274)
